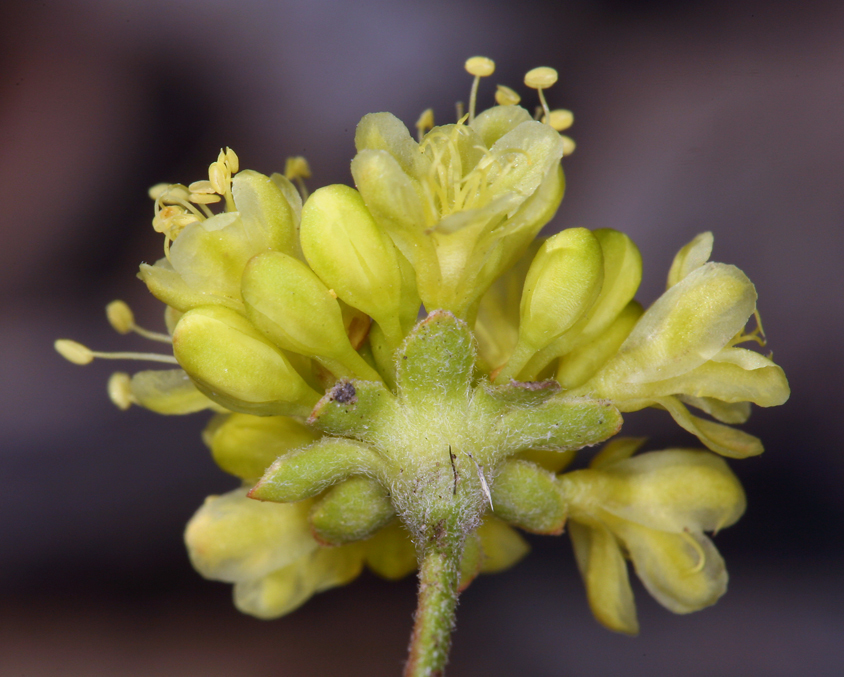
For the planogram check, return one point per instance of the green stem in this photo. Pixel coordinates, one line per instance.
(439, 576)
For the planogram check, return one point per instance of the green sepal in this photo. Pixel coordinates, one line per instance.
(356, 409)
(351, 511)
(522, 394)
(308, 471)
(245, 446)
(436, 361)
(527, 496)
(558, 424)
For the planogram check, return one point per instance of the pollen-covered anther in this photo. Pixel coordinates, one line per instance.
(480, 66)
(218, 177)
(169, 193)
(504, 96)
(120, 390)
(73, 351)
(559, 119)
(120, 317)
(425, 122)
(541, 78)
(297, 168)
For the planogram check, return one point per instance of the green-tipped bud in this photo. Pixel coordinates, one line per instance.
(245, 446)
(311, 470)
(234, 365)
(351, 511)
(352, 255)
(562, 284)
(528, 496)
(289, 303)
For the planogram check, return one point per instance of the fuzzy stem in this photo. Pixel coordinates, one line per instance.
(439, 576)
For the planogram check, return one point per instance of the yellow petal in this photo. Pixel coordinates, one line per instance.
(284, 590)
(233, 538)
(502, 545)
(683, 572)
(604, 573)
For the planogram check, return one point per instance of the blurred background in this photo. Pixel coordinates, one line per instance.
(702, 115)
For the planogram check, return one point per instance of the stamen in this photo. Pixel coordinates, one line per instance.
(424, 123)
(480, 67)
(504, 96)
(539, 79)
(697, 548)
(568, 145)
(121, 318)
(120, 390)
(79, 354)
(757, 335)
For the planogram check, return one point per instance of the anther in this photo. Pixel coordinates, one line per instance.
(120, 390)
(480, 67)
(73, 351)
(296, 169)
(425, 122)
(559, 119)
(541, 78)
(568, 145)
(504, 96)
(218, 177)
(120, 317)
(232, 161)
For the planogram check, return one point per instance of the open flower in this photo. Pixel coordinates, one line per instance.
(463, 203)
(653, 509)
(682, 350)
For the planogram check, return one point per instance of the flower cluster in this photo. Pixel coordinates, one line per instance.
(403, 368)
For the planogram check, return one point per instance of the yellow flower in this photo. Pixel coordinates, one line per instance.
(682, 350)
(366, 436)
(653, 509)
(464, 203)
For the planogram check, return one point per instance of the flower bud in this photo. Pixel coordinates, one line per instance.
(291, 306)
(268, 218)
(234, 365)
(562, 284)
(245, 446)
(352, 255)
(351, 511)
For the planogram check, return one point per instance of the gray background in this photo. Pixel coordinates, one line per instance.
(689, 116)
